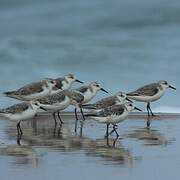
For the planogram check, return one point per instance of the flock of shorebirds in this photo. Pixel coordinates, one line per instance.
(55, 95)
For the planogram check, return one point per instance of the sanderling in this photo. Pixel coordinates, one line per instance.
(150, 93)
(20, 112)
(56, 103)
(64, 83)
(113, 115)
(118, 98)
(33, 91)
(89, 91)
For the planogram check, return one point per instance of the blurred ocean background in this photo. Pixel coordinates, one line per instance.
(122, 44)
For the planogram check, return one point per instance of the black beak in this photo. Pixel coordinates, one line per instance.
(104, 90)
(137, 109)
(129, 100)
(172, 87)
(43, 108)
(79, 81)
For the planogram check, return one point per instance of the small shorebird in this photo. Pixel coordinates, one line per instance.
(20, 112)
(118, 98)
(64, 83)
(32, 91)
(149, 93)
(89, 91)
(113, 115)
(56, 103)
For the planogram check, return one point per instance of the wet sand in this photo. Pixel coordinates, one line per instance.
(49, 152)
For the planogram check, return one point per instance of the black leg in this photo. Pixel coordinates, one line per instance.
(19, 130)
(75, 112)
(148, 109)
(107, 134)
(82, 114)
(54, 117)
(107, 129)
(114, 128)
(151, 111)
(148, 106)
(58, 113)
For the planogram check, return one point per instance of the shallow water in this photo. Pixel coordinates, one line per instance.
(46, 152)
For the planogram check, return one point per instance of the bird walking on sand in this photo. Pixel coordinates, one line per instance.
(89, 92)
(56, 103)
(150, 93)
(113, 115)
(20, 112)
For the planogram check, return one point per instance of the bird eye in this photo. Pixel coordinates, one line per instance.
(121, 95)
(130, 105)
(36, 104)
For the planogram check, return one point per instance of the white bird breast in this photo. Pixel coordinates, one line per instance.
(66, 85)
(29, 113)
(88, 95)
(43, 93)
(149, 98)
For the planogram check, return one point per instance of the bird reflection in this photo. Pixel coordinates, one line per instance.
(23, 154)
(149, 136)
(57, 130)
(112, 152)
(63, 139)
(149, 120)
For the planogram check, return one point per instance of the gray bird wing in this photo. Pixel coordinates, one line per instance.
(16, 108)
(148, 90)
(52, 99)
(115, 109)
(36, 87)
(82, 89)
(75, 95)
(105, 102)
